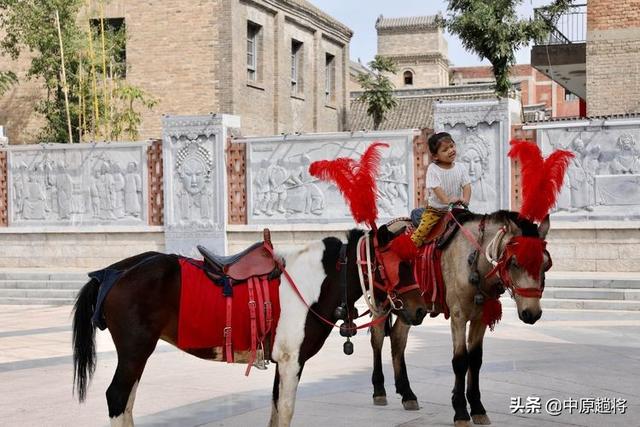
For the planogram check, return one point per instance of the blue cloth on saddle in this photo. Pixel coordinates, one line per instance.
(106, 278)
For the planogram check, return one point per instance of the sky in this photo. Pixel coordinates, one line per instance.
(361, 15)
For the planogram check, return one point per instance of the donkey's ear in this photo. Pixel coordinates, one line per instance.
(384, 236)
(544, 226)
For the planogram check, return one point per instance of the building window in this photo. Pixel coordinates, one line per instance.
(329, 77)
(297, 66)
(408, 78)
(570, 96)
(115, 44)
(253, 34)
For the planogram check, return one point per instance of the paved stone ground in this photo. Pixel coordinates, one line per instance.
(566, 355)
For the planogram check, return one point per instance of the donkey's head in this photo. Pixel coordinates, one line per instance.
(520, 259)
(395, 255)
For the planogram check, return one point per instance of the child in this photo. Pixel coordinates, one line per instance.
(447, 183)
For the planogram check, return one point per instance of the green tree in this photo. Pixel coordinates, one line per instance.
(7, 79)
(378, 89)
(492, 29)
(30, 27)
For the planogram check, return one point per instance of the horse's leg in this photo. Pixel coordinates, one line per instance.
(398, 344)
(460, 364)
(273, 422)
(476, 335)
(289, 371)
(377, 378)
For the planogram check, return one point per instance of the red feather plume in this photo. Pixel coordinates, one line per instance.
(541, 179)
(355, 180)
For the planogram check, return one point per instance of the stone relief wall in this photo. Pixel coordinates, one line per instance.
(280, 189)
(195, 190)
(80, 185)
(481, 130)
(603, 179)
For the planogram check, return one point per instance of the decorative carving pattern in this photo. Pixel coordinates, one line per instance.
(83, 184)
(4, 193)
(602, 179)
(237, 182)
(469, 114)
(280, 189)
(156, 196)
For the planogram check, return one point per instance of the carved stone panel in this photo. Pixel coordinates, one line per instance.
(280, 189)
(603, 177)
(195, 191)
(78, 185)
(481, 131)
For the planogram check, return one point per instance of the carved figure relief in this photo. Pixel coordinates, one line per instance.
(194, 165)
(132, 190)
(476, 156)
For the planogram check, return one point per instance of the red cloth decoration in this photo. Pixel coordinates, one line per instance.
(529, 252)
(404, 247)
(541, 179)
(355, 180)
(491, 312)
(202, 316)
(428, 273)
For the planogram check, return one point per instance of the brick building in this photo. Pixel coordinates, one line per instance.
(540, 96)
(418, 47)
(281, 65)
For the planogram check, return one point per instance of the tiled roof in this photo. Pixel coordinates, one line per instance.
(412, 112)
(405, 23)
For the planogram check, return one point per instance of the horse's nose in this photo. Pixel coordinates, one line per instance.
(528, 317)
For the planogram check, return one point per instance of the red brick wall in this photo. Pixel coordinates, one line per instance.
(155, 183)
(420, 163)
(516, 192)
(4, 191)
(607, 14)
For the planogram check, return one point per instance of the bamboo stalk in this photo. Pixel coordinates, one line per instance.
(65, 88)
(82, 121)
(92, 60)
(104, 73)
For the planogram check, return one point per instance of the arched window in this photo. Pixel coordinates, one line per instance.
(408, 78)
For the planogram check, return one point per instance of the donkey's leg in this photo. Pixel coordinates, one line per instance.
(476, 335)
(398, 344)
(377, 378)
(460, 364)
(289, 371)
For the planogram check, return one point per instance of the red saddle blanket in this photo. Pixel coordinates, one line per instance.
(203, 313)
(428, 273)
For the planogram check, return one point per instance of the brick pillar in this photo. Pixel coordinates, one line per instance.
(155, 184)
(237, 182)
(516, 180)
(420, 163)
(4, 190)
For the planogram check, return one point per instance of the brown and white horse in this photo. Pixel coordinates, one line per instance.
(512, 256)
(143, 307)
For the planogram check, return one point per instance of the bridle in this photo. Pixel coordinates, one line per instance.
(502, 262)
(381, 263)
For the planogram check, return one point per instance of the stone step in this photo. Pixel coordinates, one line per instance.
(38, 293)
(609, 280)
(36, 301)
(580, 304)
(39, 275)
(41, 284)
(592, 294)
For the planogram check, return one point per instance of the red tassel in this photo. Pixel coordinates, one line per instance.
(404, 247)
(541, 179)
(355, 180)
(529, 252)
(491, 312)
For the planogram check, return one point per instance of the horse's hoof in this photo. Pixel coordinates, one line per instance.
(380, 400)
(411, 405)
(462, 423)
(481, 420)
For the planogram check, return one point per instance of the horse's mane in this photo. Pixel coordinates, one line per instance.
(528, 228)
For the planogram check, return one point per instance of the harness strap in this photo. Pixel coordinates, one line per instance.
(267, 306)
(260, 308)
(252, 315)
(227, 331)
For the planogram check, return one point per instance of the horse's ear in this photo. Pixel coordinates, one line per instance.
(544, 226)
(384, 236)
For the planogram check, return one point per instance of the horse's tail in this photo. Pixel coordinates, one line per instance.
(84, 338)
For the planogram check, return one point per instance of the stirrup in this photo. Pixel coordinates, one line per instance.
(260, 362)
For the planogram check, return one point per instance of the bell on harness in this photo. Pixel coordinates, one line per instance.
(347, 347)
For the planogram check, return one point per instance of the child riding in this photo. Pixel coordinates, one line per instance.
(447, 184)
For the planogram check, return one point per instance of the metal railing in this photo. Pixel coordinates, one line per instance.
(570, 27)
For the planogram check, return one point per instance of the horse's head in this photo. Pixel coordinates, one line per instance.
(395, 257)
(520, 259)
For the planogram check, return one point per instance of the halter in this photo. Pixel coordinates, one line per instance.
(380, 263)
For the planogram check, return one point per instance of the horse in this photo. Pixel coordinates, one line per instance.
(489, 253)
(143, 307)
